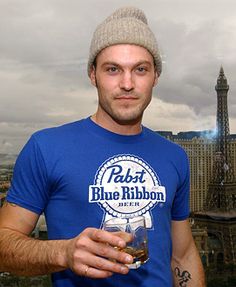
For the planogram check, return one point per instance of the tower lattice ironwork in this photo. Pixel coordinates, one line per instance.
(221, 194)
(219, 216)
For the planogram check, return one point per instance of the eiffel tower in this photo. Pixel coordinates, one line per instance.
(219, 215)
(221, 195)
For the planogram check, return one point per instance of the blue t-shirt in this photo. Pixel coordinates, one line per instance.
(81, 174)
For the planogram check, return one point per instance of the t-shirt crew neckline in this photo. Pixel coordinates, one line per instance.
(100, 131)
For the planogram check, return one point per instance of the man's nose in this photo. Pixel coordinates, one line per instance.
(127, 81)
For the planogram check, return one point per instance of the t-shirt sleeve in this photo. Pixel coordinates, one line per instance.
(29, 187)
(180, 208)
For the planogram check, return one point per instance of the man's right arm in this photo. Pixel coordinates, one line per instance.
(19, 253)
(87, 253)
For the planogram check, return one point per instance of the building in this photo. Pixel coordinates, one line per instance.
(200, 151)
(200, 147)
(219, 213)
(212, 158)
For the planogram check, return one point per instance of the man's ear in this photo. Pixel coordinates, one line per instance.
(93, 76)
(155, 79)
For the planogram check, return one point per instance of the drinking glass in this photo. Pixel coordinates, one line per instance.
(138, 247)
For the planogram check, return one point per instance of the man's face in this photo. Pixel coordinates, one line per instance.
(124, 77)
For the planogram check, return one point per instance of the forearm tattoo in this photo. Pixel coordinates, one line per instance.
(183, 277)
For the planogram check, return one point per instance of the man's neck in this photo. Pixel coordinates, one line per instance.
(133, 128)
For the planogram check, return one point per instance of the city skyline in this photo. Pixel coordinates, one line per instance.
(44, 50)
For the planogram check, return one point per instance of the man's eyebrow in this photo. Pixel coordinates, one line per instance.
(110, 63)
(141, 62)
(144, 62)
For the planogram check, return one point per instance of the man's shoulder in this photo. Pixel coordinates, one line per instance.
(155, 136)
(60, 131)
(160, 142)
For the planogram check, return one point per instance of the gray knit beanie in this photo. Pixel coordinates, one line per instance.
(127, 25)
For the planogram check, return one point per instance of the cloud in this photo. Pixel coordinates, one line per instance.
(192, 63)
(44, 50)
(172, 117)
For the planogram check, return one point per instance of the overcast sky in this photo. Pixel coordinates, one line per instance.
(44, 49)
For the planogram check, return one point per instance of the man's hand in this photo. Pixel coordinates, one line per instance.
(93, 253)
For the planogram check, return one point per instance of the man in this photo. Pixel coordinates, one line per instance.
(108, 165)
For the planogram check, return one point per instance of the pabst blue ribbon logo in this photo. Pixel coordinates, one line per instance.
(126, 185)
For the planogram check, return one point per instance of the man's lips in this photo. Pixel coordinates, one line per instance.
(126, 97)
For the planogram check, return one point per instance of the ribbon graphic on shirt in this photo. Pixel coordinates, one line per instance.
(126, 186)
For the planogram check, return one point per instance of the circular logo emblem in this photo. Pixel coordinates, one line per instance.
(126, 185)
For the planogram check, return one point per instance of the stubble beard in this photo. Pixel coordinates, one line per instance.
(123, 115)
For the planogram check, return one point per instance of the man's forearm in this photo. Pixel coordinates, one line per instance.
(22, 255)
(188, 271)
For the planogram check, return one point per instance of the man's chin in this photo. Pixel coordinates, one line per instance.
(128, 120)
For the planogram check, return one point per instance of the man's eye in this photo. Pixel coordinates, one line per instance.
(141, 69)
(112, 69)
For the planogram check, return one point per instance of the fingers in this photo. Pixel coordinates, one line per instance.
(95, 273)
(102, 249)
(89, 271)
(127, 237)
(108, 258)
(110, 238)
(103, 244)
(107, 251)
(94, 255)
(101, 264)
(116, 239)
